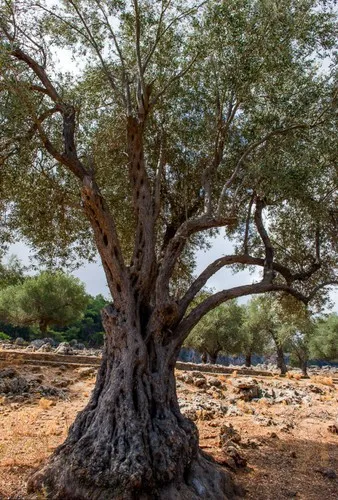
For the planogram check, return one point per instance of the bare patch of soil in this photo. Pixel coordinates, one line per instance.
(281, 444)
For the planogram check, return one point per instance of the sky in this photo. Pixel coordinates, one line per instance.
(93, 276)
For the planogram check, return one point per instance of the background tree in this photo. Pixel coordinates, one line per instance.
(218, 331)
(296, 326)
(265, 312)
(183, 119)
(324, 343)
(88, 329)
(254, 338)
(44, 300)
(11, 272)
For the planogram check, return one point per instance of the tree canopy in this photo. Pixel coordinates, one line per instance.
(224, 130)
(44, 300)
(12, 272)
(324, 343)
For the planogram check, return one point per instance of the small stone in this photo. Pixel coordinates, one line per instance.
(64, 348)
(329, 473)
(86, 371)
(228, 434)
(214, 382)
(200, 382)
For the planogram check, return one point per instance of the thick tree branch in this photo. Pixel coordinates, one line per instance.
(228, 260)
(269, 251)
(177, 244)
(186, 325)
(40, 72)
(143, 260)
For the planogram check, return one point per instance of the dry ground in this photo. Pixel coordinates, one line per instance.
(289, 450)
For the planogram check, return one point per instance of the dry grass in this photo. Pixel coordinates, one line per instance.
(46, 403)
(295, 376)
(318, 379)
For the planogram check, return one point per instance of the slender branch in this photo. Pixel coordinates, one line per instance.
(315, 290)
(158, 35)
(96, 48)
(174, 78)
(247, 225)
(223, 128)
(125, 78)
(138, 46)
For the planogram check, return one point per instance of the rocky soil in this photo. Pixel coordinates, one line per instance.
(278, 436)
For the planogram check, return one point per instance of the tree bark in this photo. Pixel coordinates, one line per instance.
(304, 367)
(213, 358)
(281, 361)
(248, 360)
(43, 327)
(204, 357)
(131, 441)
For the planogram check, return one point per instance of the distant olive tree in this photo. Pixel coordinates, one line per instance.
(218, 331)
(254, 337)
(324, 343)
(49, 299)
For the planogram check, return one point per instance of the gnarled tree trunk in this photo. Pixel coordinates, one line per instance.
(304, 368)
(131, 441)
(248, 360)
(213, 358)
(204, 357)
(281, 361)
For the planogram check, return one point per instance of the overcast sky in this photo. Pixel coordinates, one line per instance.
(93, 276)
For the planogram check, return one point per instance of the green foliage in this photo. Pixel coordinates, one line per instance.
(218, 331)
(4, 336)
(12, 272)
(324, 344)
(88, 329)
(255, 338)
(44, 300)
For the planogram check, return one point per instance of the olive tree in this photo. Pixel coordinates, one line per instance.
(254, 337)
(324, 343)
(182, 119)
(48, 299)
(219, 331)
